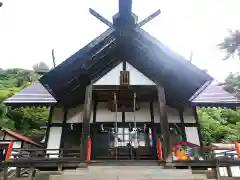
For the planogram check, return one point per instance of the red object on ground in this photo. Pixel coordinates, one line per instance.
(89, 149)
(237, 148)
(159, 149)
(9, 150)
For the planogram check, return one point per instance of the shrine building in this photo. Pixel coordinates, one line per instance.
(124, 90)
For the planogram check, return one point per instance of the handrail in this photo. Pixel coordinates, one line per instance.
(18, 152)
(33, 158)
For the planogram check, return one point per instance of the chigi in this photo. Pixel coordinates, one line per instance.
(124, 90)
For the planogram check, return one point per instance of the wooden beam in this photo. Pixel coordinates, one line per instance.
(198, 126)
(149, 18)
(86, 123)
(64, 129)
(100, 17)
(48, 125)
(166, 137)
(182, 124)
(125, 8)
(154, 139)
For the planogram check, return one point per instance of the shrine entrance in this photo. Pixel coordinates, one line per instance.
(120, 139)
(127, 144)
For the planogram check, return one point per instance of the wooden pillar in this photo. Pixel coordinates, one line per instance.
(5, 172)
(86, 123)
(48, 125)
(166, 137)
(18, 172)
(229, 171)
(154, 137)
(31, 173)
(64, 129)
(184, 136)
(198, 126)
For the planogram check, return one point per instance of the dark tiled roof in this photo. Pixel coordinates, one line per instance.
(214, 94)
(152, 58)
(35, 93)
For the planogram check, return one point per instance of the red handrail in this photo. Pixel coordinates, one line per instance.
(9, 150)
(159, 149)
(237, 148)
(89, 149)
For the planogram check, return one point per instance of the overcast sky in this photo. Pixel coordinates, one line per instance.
(31, 28)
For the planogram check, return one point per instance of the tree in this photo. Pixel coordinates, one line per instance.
(219, 125)
(41, 67)
(4, 120)
(26, 120)
(232, 84)
(231, 44)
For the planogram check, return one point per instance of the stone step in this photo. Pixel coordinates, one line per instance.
(44, 175)
(230, 178)
(104, 177)
(127, 173)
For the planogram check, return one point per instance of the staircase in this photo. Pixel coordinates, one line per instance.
(127, 173)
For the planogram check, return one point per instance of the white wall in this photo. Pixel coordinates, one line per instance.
(173, 114)
(142, 115)
(191, 132)
(136, 77)
(192, 135)
(75, 115)
(113, 77)
(57, 115)
(54, 140)
(188, 115)
(105, 115)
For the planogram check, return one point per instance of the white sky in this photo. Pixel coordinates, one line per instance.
(30, 29)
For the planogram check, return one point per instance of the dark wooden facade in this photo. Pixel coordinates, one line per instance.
(176, 83)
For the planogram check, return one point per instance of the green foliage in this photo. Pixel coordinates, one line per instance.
(26, 120)
(13, 80)
(29, 119)
(222, 124)
(219, 125)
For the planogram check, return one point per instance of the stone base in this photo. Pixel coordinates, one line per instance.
(126, 173)
(82, 165)
(169, 166)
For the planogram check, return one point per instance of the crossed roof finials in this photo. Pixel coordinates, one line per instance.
(125, 17)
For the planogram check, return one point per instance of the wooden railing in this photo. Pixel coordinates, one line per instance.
(33, 159)
(142, 152)
(44, 153)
